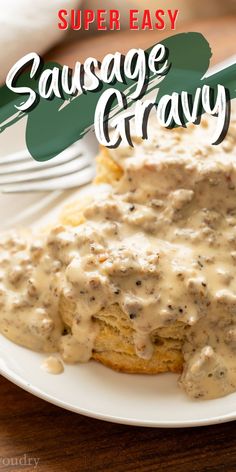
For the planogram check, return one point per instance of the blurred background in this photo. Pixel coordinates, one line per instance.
(192, 9)
(27, 25)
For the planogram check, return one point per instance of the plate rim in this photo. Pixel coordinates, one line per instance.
(16, 379)
(19, 382)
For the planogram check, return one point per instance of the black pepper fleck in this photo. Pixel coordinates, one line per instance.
(200, 263)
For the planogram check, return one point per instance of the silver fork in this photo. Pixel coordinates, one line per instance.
(72, 168)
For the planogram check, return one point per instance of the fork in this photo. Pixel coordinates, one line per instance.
(72, 168)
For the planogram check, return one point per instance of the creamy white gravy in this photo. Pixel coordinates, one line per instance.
(161, 244)
(52, 365)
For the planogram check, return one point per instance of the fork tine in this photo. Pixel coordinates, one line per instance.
(22, 161)
(41, 174)
(31, 165)
(19, 156)
(77, 179)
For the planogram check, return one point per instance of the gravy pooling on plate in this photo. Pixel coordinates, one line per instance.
(161, 243)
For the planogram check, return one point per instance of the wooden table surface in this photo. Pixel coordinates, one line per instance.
(62, 441)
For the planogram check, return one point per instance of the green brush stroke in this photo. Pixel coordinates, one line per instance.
(50, 130)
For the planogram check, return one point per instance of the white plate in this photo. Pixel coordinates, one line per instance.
(92, 389)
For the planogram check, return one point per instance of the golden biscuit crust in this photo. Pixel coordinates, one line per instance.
(114, 345)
